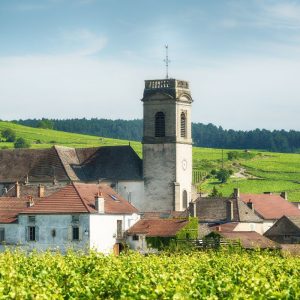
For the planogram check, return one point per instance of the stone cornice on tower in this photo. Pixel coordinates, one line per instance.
(173, 89)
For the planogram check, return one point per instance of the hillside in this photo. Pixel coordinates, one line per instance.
(204, 135)
(255, 173)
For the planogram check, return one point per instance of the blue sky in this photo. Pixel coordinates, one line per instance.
(88, 58)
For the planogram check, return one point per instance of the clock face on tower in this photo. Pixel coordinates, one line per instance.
(184, 164)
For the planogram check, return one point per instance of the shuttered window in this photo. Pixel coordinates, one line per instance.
(2, 234)
(183, 125)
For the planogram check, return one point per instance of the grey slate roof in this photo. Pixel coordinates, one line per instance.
(214, 210)
(114, 163)
(69, 164)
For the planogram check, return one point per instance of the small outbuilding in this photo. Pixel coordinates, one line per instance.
(285, 231)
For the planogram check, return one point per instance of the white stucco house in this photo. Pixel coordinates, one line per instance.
(78, 216)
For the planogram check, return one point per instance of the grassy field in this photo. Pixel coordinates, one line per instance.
(264, 171)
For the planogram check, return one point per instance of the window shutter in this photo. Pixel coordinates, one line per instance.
(26, 234)
(37, 235)
(80, 233)
(70, 233)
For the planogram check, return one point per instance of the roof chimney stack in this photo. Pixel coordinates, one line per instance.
(41, 191)
(99, 203)
(17, 190)
(30, 201)
(236, 193)
(250, 204)
(284, 195)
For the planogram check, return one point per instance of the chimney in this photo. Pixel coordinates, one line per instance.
(284, 195)
(99, 203)
(30, 202)
(219, 228)
(41, 191)
(250, 204)
(236, 193)
(17, 190)
(193, 209)
(229, 210)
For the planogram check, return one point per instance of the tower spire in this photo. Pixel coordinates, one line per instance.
(166, 60)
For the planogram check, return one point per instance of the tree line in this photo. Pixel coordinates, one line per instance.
(204, 135)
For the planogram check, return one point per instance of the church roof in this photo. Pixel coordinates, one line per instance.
(70, 164)
(113, 163)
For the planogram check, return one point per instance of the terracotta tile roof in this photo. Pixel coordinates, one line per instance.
(10, 207)
(80, 198)
(158, 227)
(87, 192)
(250, 239)
(270, 207)
(227, 227)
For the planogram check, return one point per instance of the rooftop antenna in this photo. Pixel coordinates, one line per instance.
(166, 60)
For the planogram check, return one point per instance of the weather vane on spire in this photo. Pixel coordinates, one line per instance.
(166, 60)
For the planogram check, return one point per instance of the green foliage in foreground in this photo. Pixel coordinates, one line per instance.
(198, 275)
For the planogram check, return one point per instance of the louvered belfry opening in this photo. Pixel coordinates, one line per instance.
(183, 125)
(160, 124)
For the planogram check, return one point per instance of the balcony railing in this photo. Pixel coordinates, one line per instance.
(166, 83)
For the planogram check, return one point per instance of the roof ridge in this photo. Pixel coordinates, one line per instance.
(56, 147)
(82, 200)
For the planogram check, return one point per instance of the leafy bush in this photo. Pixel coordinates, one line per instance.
(9, 135)
(21, 143)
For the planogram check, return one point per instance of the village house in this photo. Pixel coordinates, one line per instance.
(285, 231)
(227, 234)
(152, 233)
(216, 211)
(78, 216)
(270, 207)
(118, 166)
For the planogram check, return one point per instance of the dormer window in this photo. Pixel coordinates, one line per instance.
(160, 124)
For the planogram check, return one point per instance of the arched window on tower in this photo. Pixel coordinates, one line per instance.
(159, 124)
(183, 125)
(184, 199)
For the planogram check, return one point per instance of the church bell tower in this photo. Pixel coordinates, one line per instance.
(167, 145)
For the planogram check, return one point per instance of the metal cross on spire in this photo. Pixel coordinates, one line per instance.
(166, 60)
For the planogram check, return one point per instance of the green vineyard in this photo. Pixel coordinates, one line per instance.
(197, 275)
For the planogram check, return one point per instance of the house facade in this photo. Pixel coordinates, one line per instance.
(285, 231)
(78, 216)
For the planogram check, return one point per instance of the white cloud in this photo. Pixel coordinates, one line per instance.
(83, 42)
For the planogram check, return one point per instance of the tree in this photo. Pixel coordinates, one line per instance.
(21, 143)
(9, 134)
(45, 124)
(215, 193)
(223, 175)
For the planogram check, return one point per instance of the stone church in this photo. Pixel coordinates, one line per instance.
(162, 181)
